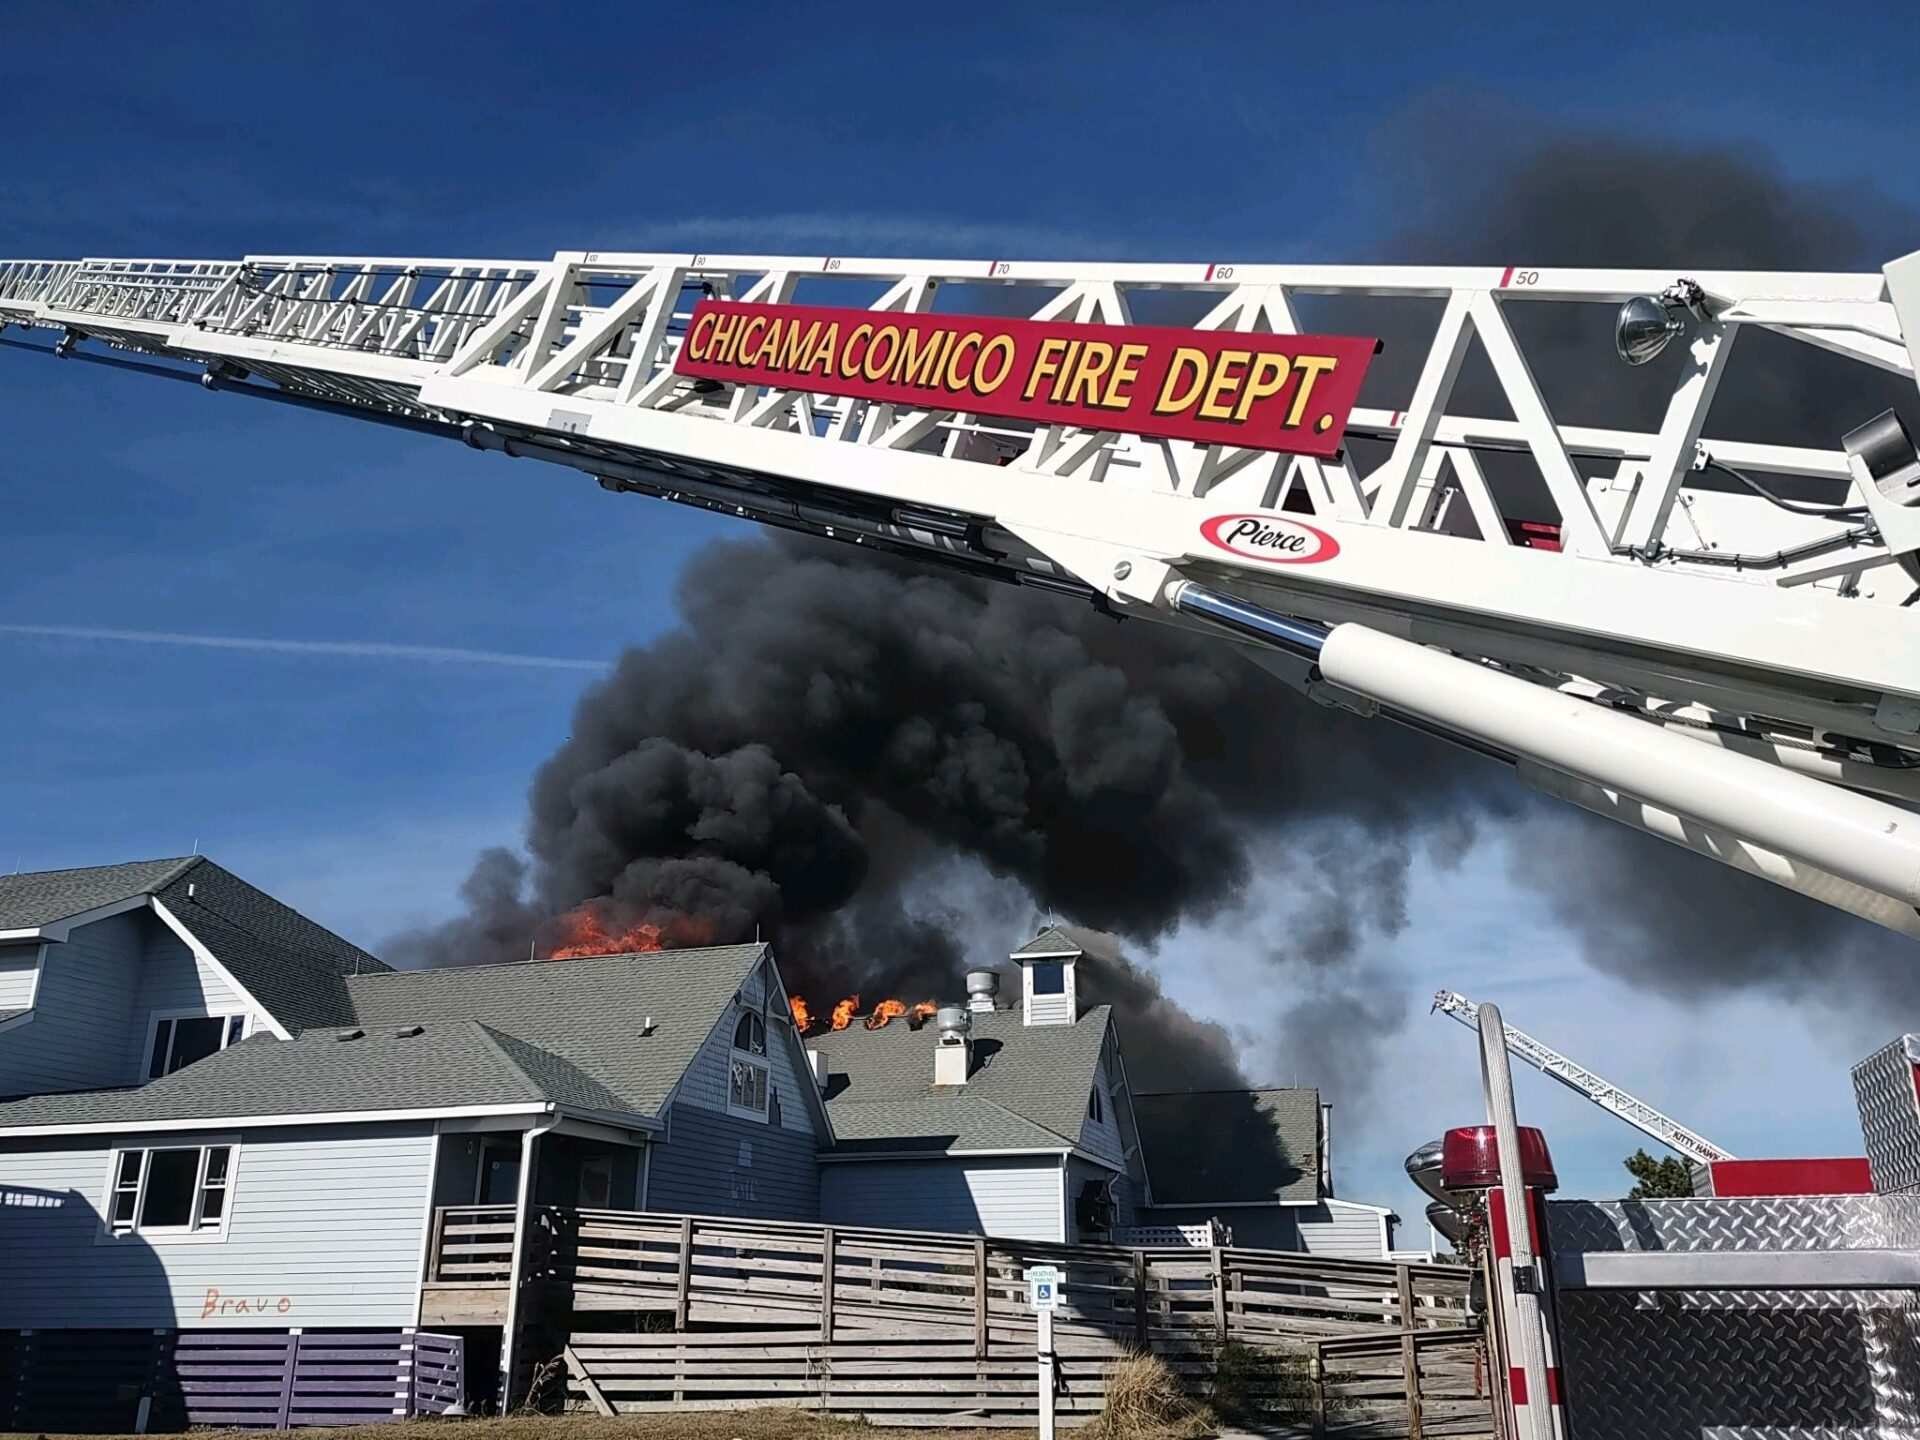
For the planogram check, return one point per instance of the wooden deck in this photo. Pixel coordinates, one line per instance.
(916, 1327)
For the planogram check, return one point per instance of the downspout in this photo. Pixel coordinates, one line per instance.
(509, 1333)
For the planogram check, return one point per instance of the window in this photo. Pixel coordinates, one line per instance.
(179, 1040)
(1049, 977)
(179, 1191)
(596, 1182)
(750, 1034)
(1096, 1111)
(747, 1069)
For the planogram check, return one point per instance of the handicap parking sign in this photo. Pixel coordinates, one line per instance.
(1043, 1287)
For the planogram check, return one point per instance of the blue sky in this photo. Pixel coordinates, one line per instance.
(359, 786)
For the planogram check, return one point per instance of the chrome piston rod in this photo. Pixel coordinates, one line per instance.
(1847, 836)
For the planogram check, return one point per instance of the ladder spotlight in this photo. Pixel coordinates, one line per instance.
(1647, 323)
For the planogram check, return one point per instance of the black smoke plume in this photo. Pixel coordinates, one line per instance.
(830, 732)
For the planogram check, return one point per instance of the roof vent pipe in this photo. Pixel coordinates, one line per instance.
(983, 989)
(953, 1052)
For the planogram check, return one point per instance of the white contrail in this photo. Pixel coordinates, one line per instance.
(351, 649)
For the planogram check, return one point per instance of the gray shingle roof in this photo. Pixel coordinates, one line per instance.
(936, 1126)
(287, 962)
(1221, 1147)
(565, 1031)
(1028, 1089)
(6, 1015)
(284, 960)
(585, 1015)
(449, 1064)
(48, 896)
(1051, 941)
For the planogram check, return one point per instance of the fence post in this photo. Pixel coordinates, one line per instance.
(1140, 1299)
(979, 1297)
(684, 1293)
(287, 1374)
(1220, 1294)
(827, 1270)
(1409, 1354)
(1317, 1375)
(435, 1241)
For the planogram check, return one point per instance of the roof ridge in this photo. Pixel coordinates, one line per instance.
(575, 960)
(494, 1038)
(180, 868)
(1026, 1119)
(1231, 1090)
(110, 865)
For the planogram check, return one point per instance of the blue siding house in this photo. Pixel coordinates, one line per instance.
(217, 1114)
(1014, 1122)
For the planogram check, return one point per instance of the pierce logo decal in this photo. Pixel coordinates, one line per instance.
(1270, 539)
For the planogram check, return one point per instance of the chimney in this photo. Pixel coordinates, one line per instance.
(817, 1063)
(953, 1050)
(983, 990)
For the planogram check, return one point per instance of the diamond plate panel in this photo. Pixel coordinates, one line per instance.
(1685, 1365)
(1883, 1088)
(1785, 1222)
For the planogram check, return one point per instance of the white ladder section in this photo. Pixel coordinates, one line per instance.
(1764, 660)
(1582, 1081)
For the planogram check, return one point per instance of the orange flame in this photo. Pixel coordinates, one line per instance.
(922, 1011)
(802, 1016)
(585, 931)
(885, 1011)
(843, 1012)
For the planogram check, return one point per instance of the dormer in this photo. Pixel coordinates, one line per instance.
(1049, 986)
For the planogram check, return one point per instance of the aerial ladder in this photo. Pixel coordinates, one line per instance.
(1709, 639)
(1583, 1082)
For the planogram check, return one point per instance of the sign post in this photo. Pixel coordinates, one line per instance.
(1043, 1294)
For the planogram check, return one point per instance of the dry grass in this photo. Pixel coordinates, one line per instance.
(1145, 1402)
(694, 1425)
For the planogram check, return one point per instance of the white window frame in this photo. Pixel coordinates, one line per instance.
(192, 1233)
(738, 1059)
(156, 1017)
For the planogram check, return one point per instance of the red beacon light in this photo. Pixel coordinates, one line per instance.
(1470, 1159)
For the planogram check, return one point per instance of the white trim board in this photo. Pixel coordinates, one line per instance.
(125, 1126)
(58, 930)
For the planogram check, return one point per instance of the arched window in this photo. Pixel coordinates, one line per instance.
(747, 1078)
(750, 1034)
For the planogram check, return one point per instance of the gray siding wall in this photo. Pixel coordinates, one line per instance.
(173, 978)
(714, 1164)
(328, 1218)
(77, 1038)
(18, 966)
(1339, 1231)
(1018, 1197)
(1102, 1137)
(706, 1079)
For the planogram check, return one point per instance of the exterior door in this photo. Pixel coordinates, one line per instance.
(498, 1182)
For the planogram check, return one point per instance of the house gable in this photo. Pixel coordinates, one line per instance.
(718, 1157)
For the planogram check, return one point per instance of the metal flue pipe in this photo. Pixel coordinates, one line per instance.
(1852, 837)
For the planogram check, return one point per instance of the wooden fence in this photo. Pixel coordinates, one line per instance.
(122, 1380)
(910, 1327)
